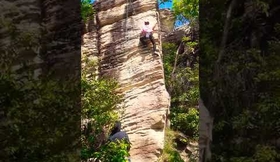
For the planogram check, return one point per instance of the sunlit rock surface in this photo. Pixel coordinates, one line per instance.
(115, 41)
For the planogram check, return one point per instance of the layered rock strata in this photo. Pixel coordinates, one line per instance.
(167, 20)
(53, 30)
(89, 47)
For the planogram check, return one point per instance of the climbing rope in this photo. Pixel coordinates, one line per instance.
(128, 6)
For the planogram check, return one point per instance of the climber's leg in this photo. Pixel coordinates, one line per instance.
(153, 42)
(142, 40)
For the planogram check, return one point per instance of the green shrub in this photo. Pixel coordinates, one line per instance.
(114, 152)
(86, 9)
(169, 152)
(186, 122)
(265, 154)
(100, 106)
(31, 127)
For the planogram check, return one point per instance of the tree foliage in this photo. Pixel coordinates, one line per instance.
(39, 117)
(181, 77)
(33, 131)
(240, 89)
(86, 9)
(100, 109)
(169, 152)
(182, 81)
(186, 9)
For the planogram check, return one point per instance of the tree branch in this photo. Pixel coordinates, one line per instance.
(176, 59)
(226, 29)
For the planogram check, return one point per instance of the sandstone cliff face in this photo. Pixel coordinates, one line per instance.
(89, 46)
(177, 34)
(62, 38)
(25, 16)
(167, 20)
(44, 35)
(53, 41)
(139, 72)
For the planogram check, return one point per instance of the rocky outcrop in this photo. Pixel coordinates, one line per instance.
(139, 72)
(167, 20)
(22, 16)
(53, 44)
(177, 34)
(205, 132)
(35, 38)
(89, 47)
(62, 41)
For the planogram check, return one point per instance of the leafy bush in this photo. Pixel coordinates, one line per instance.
(33, 130)
(99, 111)
(265, 153)
(114, 152)
(182, 83)
(186, 9)
(99, 103)
(183, 88)
(86, 9)
(169, 152)
(186, 122)
(41, 117)
(242, 94)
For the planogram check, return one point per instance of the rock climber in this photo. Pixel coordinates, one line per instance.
(147, 32)
(117, 135)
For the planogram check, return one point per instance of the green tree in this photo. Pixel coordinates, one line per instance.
(99, 112)
(86, 9)
(31, 128)
(98, 106)
(238, 72)
(181, 77)
(186, 9)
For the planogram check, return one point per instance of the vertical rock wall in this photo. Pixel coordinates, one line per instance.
(167, 20)
(89, 46)
(139, 72)
(62, 46)
(53, 28)
(25, 16)
(43, 35)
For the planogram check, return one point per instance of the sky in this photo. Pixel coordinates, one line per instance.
(166, 5)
